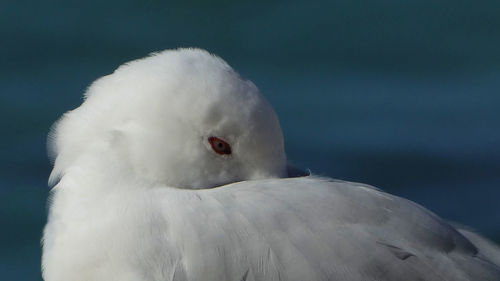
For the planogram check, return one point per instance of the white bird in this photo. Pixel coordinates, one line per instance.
(173, 168)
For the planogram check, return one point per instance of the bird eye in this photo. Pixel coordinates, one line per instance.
(219, 146)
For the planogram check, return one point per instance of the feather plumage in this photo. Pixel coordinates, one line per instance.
(142, 196)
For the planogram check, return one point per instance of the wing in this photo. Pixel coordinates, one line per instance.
(485, 247)
(309, 229)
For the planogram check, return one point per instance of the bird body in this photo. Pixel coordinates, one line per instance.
(143, 193)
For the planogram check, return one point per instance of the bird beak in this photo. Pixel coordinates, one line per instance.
(294, 172)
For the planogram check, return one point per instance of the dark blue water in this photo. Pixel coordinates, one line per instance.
(404, 95)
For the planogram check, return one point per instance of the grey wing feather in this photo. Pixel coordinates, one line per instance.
(315, 229)
(485, 247)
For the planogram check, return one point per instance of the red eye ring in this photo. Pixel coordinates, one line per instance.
(219, 146)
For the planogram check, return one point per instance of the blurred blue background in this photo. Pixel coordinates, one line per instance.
(403, 95)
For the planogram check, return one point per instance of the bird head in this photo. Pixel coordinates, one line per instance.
(181, 118)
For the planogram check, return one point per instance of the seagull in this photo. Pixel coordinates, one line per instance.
(174, 168)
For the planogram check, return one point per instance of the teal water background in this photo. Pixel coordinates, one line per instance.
(403, 95)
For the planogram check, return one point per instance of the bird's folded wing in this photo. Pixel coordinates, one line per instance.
(311, 229)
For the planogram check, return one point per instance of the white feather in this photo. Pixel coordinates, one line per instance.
(141, 195)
